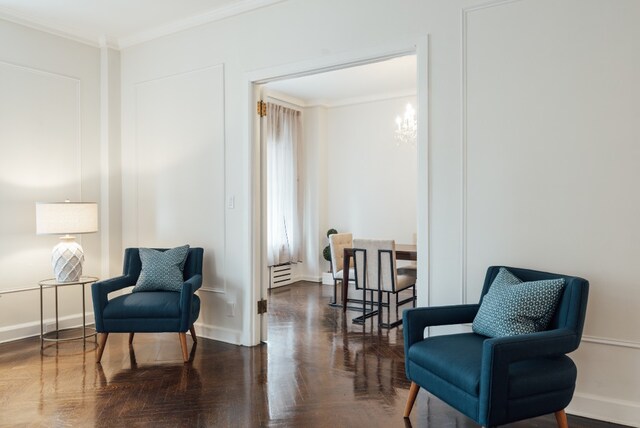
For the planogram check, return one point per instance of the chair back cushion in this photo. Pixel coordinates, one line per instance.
(337, 243)
(367, 264)
(572, 306)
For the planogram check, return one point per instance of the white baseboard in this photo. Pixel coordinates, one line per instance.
(308, 278)
(327, 278)
(603, 408)
(30, 329)
(218, 333)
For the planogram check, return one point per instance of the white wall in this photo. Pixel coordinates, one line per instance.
(371, 179)
(347, 166)
(49, 136)
(315, 192)
(552, 169)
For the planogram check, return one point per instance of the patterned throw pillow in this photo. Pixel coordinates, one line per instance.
(162, 270)
(513, 307)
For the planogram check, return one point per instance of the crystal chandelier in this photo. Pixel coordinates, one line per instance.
(406, 127)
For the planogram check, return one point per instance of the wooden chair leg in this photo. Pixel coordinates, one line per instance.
(131, 338)
(193, 334)
(102, 341)
(561, 418)
(183, 343)
(413, 393)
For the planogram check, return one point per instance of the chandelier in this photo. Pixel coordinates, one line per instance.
(406, 127)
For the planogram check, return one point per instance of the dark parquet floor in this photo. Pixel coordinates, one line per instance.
(317, 370)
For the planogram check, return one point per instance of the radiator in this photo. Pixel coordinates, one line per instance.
(279, 275)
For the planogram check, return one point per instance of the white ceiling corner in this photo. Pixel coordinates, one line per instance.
(121, 23)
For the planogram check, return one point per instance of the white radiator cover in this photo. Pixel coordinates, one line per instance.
(280, 275)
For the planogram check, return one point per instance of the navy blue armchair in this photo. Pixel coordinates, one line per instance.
(148, 311)
(495, 381)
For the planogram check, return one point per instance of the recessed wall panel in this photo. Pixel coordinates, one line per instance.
(39, 161)
(180, 165)
(552, 149)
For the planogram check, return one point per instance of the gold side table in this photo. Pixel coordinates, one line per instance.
(52, 283)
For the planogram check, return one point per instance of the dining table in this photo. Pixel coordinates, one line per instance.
(403, 252)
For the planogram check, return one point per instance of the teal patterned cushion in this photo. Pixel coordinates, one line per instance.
(162, 270)
(513, 307)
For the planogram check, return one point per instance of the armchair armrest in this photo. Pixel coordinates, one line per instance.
(186, 296)
(498, 353)
(414, 321)
(100, 291)
(195, 281)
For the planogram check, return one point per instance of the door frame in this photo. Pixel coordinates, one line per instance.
(255, 324)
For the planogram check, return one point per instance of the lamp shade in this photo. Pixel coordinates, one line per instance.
(66, 218)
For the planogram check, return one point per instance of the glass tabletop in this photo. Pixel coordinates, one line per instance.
(52, 282)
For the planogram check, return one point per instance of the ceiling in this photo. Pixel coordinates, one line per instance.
(121, 23)
(391, 78)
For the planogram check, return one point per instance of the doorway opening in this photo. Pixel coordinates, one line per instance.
(354, 173)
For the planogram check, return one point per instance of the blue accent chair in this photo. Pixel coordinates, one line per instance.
(148, 311)
(496, 381)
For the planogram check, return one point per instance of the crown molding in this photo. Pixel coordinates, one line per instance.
(76, 35)
(40, 25)
(195, 21)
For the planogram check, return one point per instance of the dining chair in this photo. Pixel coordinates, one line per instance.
(337, 243)
(376, 270)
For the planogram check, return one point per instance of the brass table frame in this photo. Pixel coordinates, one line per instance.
(52, 283)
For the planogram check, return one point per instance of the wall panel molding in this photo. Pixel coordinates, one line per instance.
(464, 15)
(604, 407)
(44, 109)
(213, 82)
(611, 342)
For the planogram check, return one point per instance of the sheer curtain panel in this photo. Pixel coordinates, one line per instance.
(283, 207)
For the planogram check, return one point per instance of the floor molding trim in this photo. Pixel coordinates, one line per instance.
(218, 333)
(32, 328)
(603, 408)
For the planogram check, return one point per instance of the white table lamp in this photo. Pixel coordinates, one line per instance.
(67, 219)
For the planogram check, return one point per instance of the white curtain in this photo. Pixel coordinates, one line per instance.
(283, 204)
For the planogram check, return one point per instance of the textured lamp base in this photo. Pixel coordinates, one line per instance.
(67, 258)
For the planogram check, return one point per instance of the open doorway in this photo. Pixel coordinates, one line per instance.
(354, 176)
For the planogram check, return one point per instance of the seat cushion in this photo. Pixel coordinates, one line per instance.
(405, 281)
(457, 359)
(144, 304)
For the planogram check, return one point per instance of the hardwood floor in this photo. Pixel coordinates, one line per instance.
(317, 370)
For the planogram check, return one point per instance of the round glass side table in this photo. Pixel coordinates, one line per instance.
(52, 283)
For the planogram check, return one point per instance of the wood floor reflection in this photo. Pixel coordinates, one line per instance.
(317, 370)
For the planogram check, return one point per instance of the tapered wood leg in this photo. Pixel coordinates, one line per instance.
(131, 338)
(102, 341)
(193, 334)
(413, 393)
(561, 418)
(183, 343)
